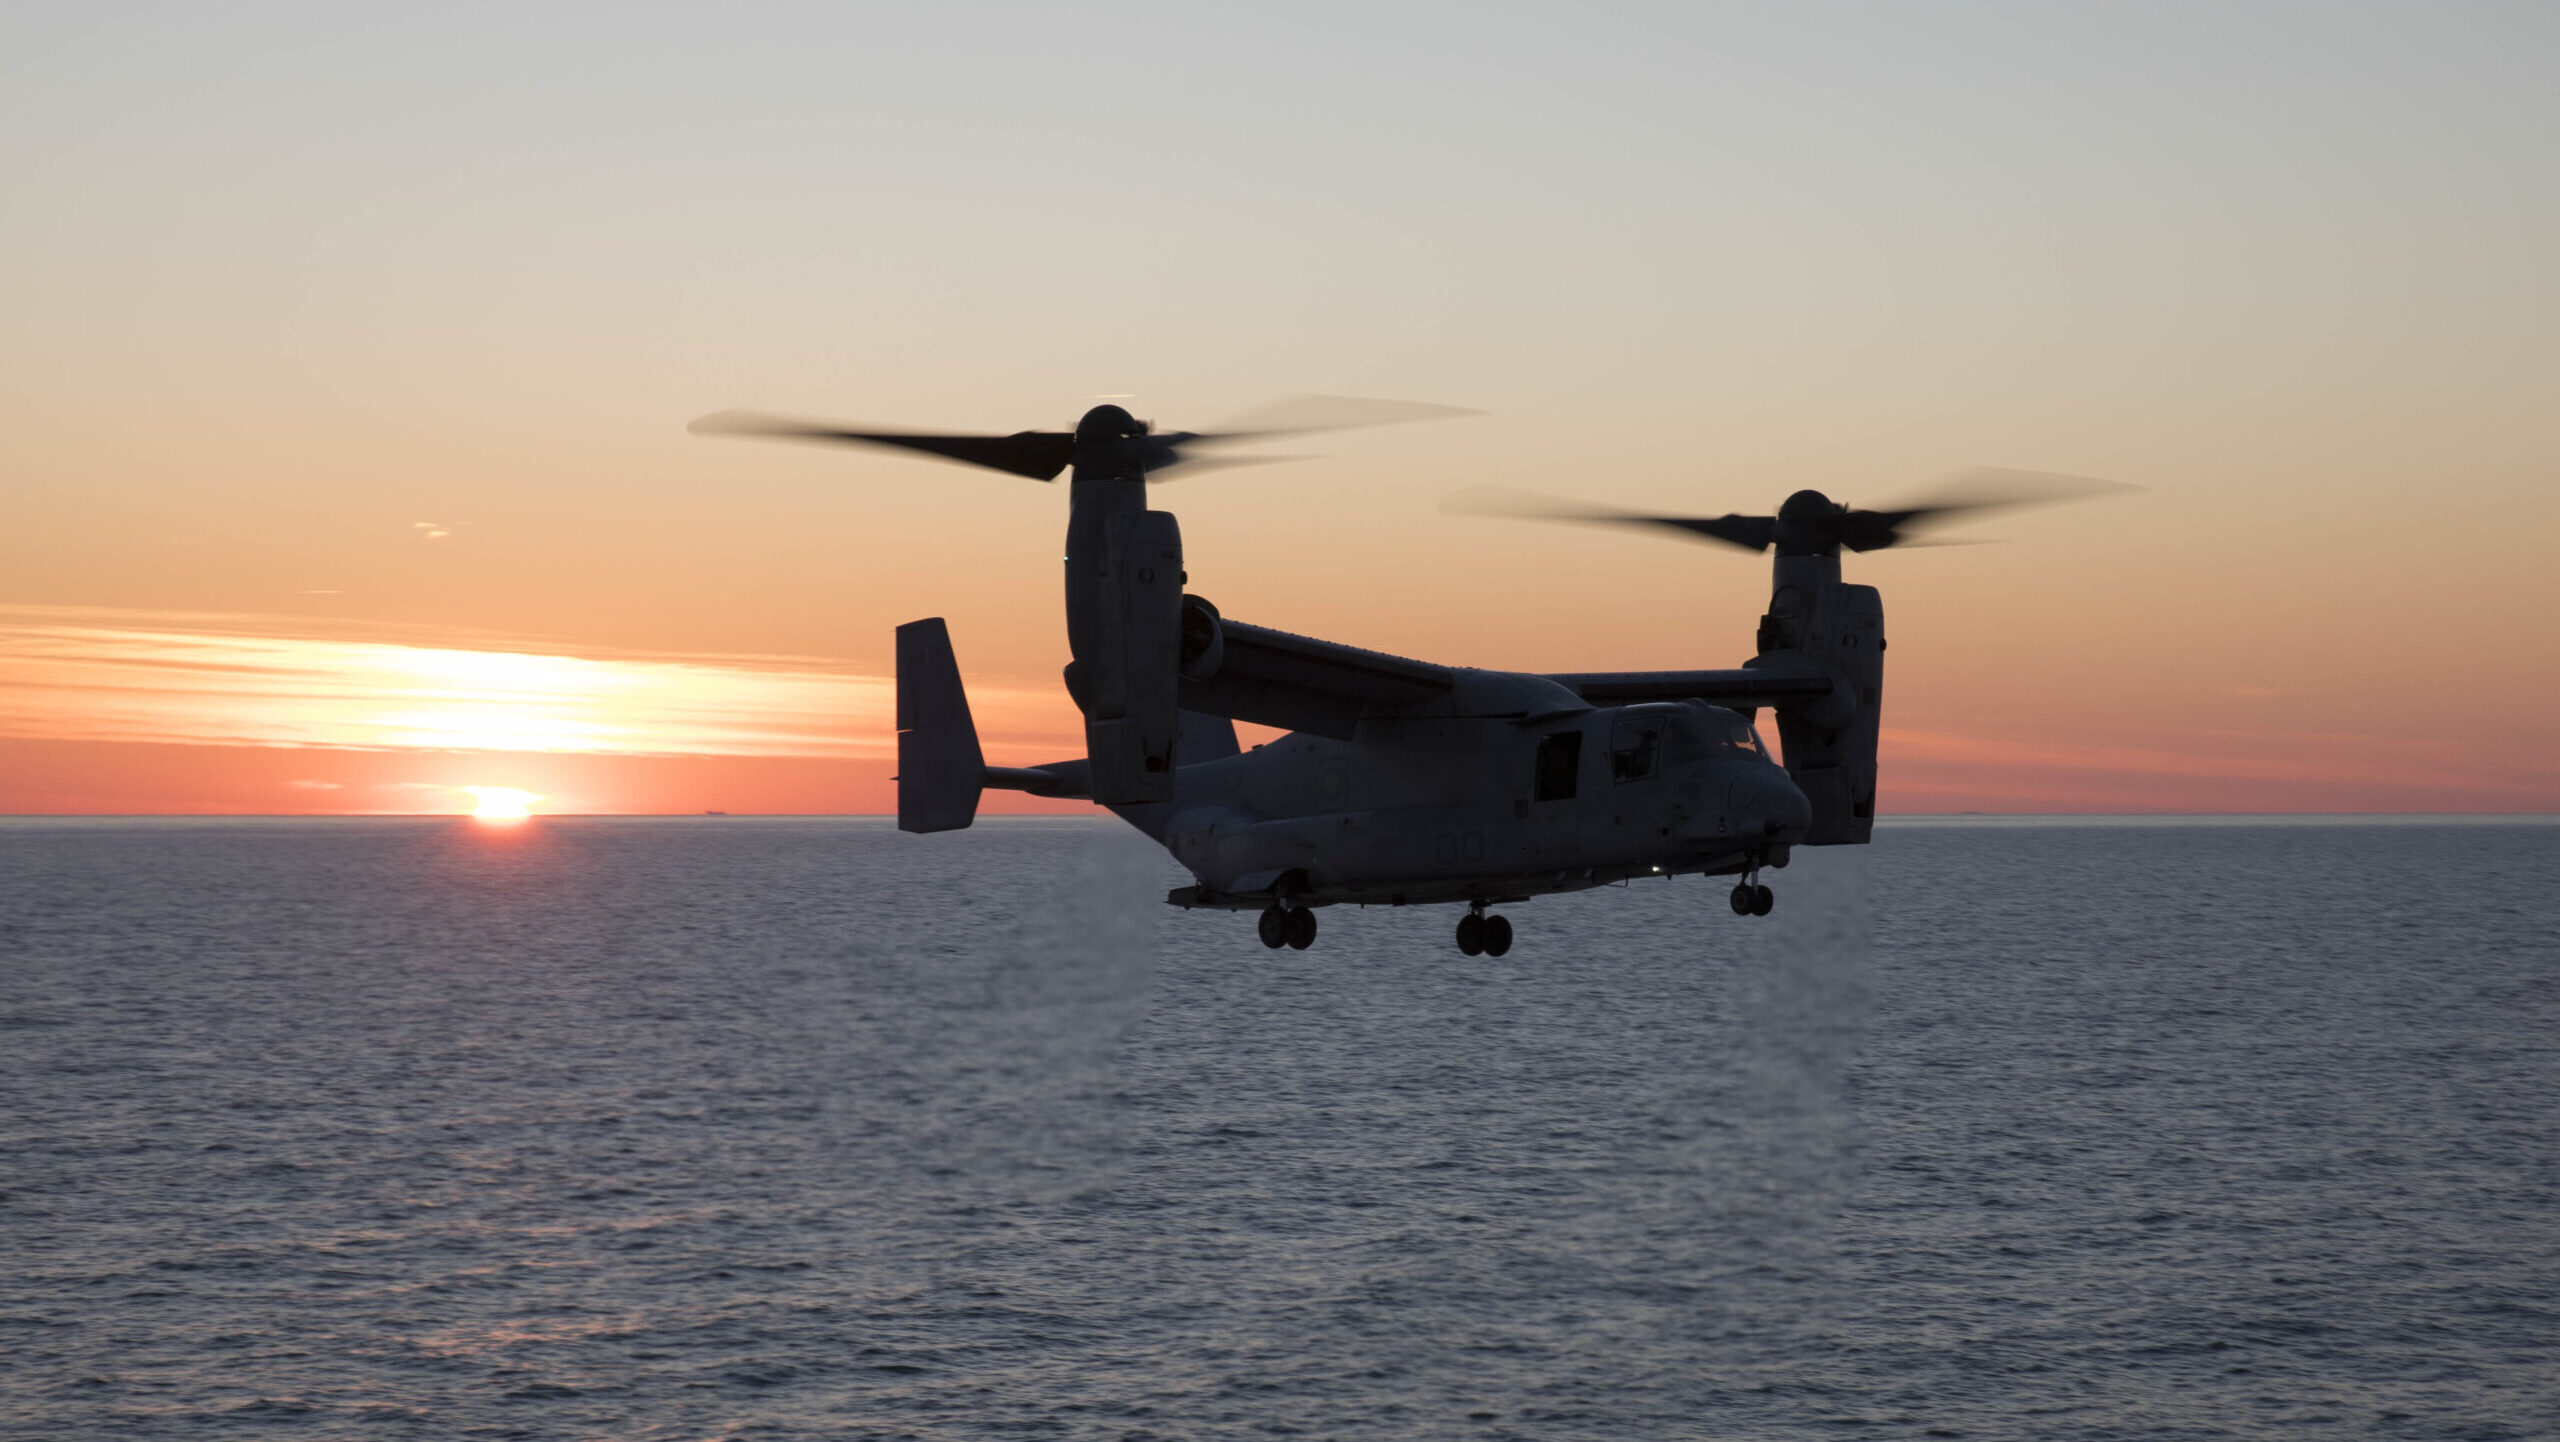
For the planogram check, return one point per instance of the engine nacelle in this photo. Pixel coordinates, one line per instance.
(1830, 743)
(1127, 681)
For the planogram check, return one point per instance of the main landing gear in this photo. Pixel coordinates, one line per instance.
(1482, 935)
(1750, 898)
(1290, 926)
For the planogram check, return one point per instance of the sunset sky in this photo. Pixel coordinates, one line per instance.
(350, 351)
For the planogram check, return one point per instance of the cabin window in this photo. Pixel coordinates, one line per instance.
(1559, 760)
(1634, 746)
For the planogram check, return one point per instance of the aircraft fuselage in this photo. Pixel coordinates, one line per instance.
(1418, 809)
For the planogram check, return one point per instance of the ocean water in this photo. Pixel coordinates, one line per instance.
(773, 1129)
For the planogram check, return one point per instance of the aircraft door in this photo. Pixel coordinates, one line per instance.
(1559, 767)
(1556, 788)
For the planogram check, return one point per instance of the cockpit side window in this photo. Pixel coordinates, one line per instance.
(1635, 745)
(1559, 762)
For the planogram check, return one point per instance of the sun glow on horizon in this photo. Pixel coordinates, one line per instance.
(104, 675)
(501, 803)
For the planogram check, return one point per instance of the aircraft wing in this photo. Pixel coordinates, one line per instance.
(1298, 683)
(1738, 688)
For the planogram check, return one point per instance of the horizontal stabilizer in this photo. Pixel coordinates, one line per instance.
(1066, 780)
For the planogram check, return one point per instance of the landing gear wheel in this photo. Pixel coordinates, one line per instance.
(1471, 934)
(1301, 928)
(1274, 928)
(1497, 935)
(1763, 901)
(1746, 899)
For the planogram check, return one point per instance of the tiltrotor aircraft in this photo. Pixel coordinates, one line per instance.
(1404, 782)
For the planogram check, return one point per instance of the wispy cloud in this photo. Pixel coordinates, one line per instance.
(88, 674)
(2195, 768)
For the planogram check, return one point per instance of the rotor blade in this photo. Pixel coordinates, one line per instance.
(1959, 497)
(1040, 455)
(1870, 530)
(1299, 414)
(1751, 533)
(1191, 466)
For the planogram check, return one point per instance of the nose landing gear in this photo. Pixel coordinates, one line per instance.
(1290, 926)
(1482, 935)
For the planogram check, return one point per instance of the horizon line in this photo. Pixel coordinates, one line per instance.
(1906, 816)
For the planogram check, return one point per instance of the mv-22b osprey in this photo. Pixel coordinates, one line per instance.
(1404, 782)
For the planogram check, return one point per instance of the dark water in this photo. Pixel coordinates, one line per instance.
(784, 1129)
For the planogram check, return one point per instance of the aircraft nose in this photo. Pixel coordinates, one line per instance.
(1767, 793)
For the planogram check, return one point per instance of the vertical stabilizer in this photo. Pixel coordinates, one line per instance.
(940, 768)
(1205, 738)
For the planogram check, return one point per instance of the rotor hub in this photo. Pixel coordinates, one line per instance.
(1807, 505)
(1106, 424)
(1807, 525)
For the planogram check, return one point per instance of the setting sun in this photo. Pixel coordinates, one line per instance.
(501, 803)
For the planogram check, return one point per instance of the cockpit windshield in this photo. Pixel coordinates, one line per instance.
(1645, 739)
(1735, 731)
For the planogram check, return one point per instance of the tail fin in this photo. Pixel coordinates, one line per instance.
(940, 768)
(1204, 738)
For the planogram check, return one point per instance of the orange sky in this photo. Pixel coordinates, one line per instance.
(342, 406)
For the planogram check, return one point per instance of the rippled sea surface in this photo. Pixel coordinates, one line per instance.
(741, 1128)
